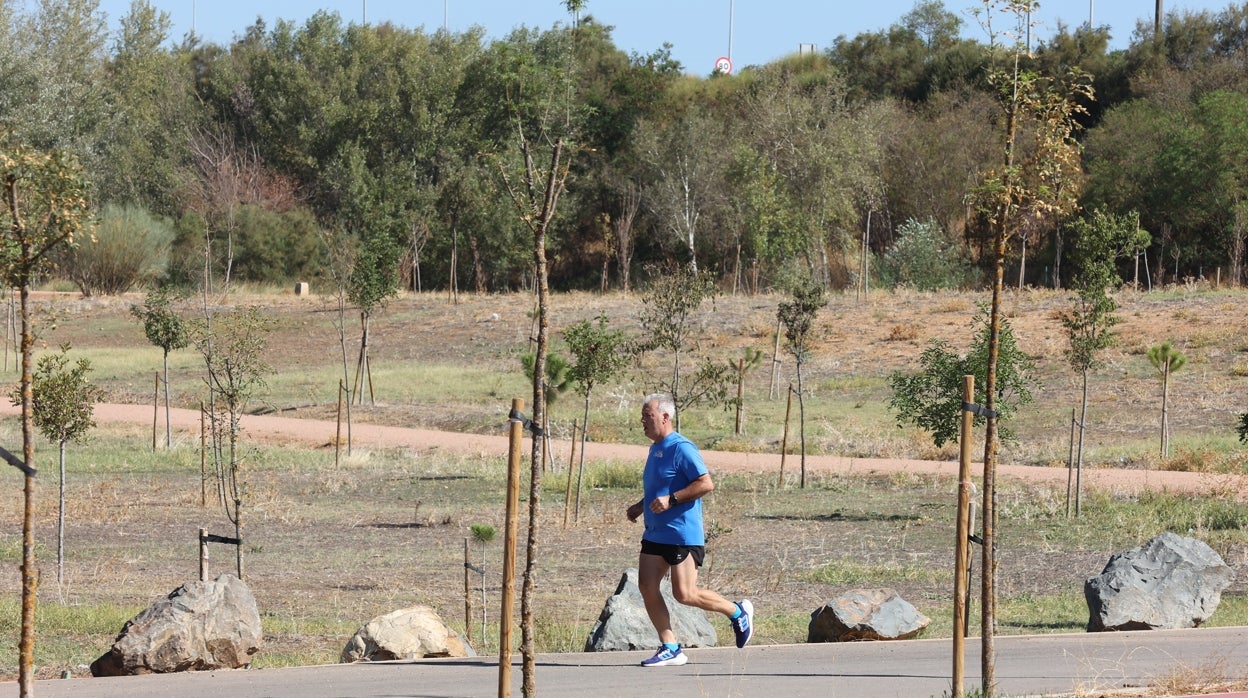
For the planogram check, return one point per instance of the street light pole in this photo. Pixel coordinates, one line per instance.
(730, 3)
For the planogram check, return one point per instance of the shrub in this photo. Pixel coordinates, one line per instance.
(130, 247)
(275, 247)
(924, 258)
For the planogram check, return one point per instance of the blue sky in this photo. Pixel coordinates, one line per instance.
(699, 30)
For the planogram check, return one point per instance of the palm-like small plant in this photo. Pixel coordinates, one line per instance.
(1166, 359)
(483, 534)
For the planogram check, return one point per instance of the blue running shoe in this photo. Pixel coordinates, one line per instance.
(743, 625)
(666, 657)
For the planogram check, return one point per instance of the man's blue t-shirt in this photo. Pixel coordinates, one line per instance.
(673, 463)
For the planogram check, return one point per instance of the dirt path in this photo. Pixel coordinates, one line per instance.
(320, 433)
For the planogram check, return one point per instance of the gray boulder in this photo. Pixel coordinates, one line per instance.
(408, 633)
(624, 624)
(866, 614)
(201, 626)
(1169, 582)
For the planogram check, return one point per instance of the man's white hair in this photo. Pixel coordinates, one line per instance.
(664, 402)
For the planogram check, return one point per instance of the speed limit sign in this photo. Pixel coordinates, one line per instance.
(723, 65)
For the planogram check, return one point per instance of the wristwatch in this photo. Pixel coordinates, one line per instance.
(673, 500)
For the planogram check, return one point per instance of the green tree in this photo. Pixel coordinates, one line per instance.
(688, 166)
(61, 102)
(1089, 323)
(598, 354)
(64, 404)
(151, 108)
(545, 123)
(929, 153)
(166, 329)
(908, 60)
(1036, 181)
(233, 346)
(45, 208)
(798, 318)
(668, 313)
(1166, 359)
(820, 166)
(373, 280)
(931, 399)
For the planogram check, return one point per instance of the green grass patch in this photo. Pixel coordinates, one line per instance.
(849, 573)
(607, 475)
(68, 636)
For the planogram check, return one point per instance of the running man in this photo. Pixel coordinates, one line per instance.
(675, 480)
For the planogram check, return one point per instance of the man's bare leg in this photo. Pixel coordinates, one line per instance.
(685, 590)
(650, 572)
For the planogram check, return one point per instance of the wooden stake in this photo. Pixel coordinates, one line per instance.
(203, 554)
(962, 540)
(784, 442)
(203, 459)
(775, 364)
(1070, 463)
(155, 409)
(509, 551)
(467, 594)
(338, 434)
(567, 496)
(740, 394)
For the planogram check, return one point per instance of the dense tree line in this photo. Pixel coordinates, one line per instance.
(390, 141)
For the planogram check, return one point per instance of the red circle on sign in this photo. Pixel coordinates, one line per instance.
(723, 64)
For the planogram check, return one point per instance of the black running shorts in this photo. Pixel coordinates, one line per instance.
(674, 554)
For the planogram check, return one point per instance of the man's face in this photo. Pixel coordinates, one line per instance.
(655, 423)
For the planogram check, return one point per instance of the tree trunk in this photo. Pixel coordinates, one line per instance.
(580, 464)
(363, 373)
(30, 575)
(801, 422)
(60, 523)
(1165, 412)
(168, 423)
(676, 388)
(1022, 262)
(1083, 423)
(553, 182)
(234, 488)
(453, 281)
(478, 269)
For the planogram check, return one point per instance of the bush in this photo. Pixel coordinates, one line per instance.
(275, 247)
(130, 248)
(924, 258)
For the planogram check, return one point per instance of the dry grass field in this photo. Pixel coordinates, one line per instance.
(330, 546)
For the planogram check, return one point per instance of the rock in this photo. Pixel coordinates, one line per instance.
(201, 626)
(1169, 582)
(408, 633)
(866, 614)
(624, 625)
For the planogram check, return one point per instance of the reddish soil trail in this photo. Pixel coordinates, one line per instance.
(321, 433)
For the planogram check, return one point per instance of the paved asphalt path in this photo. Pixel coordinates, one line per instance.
(1072, 663)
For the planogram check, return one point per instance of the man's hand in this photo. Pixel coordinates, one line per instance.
(634, 511)
(660, 504)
